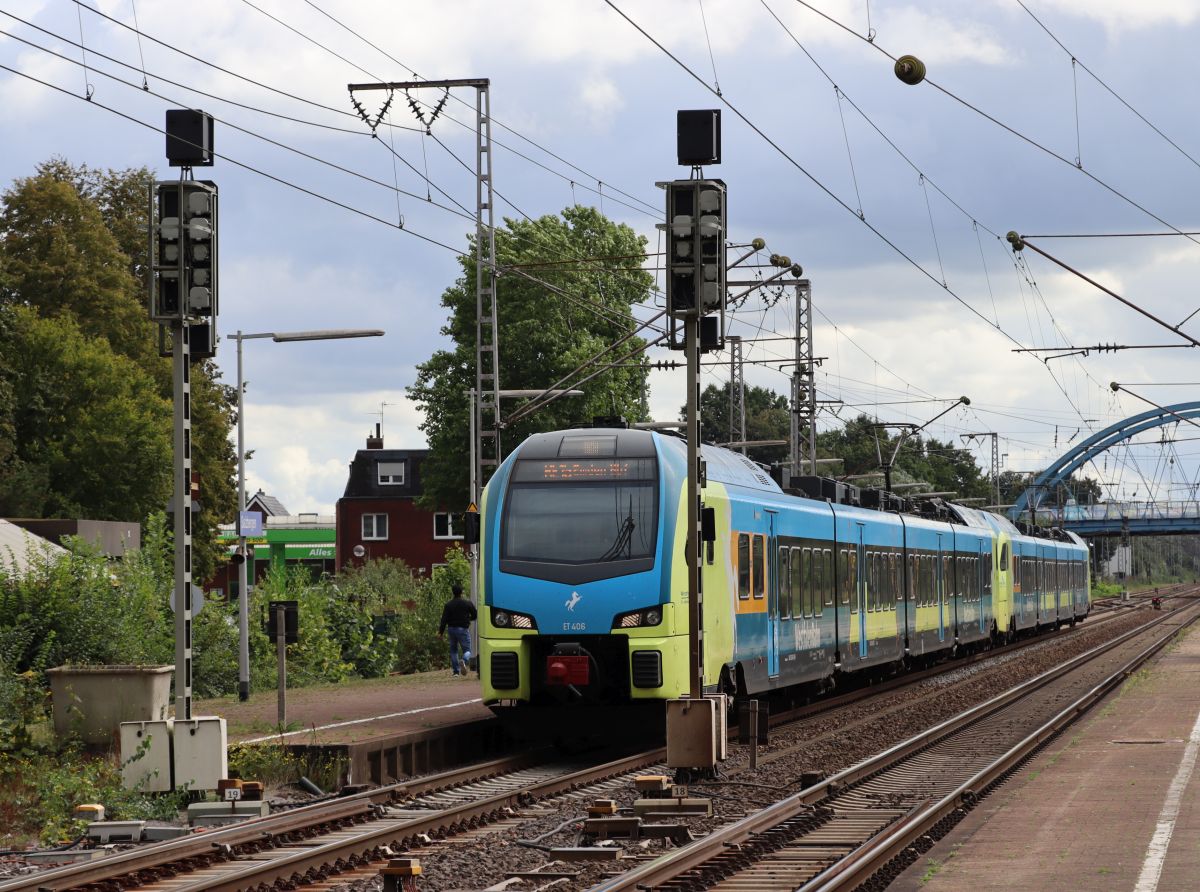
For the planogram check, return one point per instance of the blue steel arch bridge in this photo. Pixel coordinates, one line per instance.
(1147, 518)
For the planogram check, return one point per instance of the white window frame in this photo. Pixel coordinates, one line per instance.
(449, 515)
(373, 537)
(390, 479)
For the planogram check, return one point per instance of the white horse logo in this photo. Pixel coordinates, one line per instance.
(570, 604)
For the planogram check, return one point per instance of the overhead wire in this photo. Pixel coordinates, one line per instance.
(1010, 129)
(1076, 61)
(648, 208)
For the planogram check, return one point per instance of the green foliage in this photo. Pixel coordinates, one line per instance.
(316, 657)
(543, 336)
(87, 419)
(767, 418)
(39, 792)
(85, 400)
(61, 259)
(80, 608)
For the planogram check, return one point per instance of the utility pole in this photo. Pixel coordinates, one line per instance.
(737, 392)
(804, 389)
(485, 414)
(967, 438)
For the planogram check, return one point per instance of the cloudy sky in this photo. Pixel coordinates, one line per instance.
(895, 199)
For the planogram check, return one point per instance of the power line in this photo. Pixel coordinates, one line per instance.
(1076, 61)
(1027, 139)
(652, 212)
(796, 164)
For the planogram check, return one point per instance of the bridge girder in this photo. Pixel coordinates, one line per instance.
(1071, 461)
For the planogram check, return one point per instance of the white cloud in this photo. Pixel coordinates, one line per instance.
(601, 98)
(1118, 15)
(940, 40)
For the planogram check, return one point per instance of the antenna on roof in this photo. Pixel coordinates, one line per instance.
(379, 428)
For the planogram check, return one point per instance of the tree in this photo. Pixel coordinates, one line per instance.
(61, 259)
(945, 467)
(73, 246)
(766, 419)
(542, 337)
(91, 435)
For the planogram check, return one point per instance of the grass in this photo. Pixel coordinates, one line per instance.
(934, 867)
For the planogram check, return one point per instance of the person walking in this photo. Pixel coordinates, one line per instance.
(457, 616)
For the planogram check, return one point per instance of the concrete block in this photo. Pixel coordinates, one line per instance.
(682, 806)
(105, 832)
(94, 700)
(586, 853)
(163, 833)
(210, 814)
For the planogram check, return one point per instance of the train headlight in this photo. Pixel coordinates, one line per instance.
(651, 616)
(510, 619)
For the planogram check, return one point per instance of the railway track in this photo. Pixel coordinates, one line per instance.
(320, 841)
(339, 841)
(838, 834)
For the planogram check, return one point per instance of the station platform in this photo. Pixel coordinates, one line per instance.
(381, 729)
(1112, 804)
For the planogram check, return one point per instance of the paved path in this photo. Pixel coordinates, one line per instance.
(1113, 804)
(353, 711)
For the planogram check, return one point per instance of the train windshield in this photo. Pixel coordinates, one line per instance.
(581, 511)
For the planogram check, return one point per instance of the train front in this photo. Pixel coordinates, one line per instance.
(575, 604)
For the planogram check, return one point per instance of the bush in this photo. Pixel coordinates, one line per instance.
(39, 792)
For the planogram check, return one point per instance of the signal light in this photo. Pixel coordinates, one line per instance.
(183, 250)
(696, 226)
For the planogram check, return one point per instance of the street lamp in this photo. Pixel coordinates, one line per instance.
(243, 596)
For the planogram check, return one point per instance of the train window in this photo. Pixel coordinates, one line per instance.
(806, 587)
(850, 583)
(743, 559)
(782, 579)
(797, 583)
(827, 577)
(876, 580)
(897, 582)
(758, 577)
(1004, 558)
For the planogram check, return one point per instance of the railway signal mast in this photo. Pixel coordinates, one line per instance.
(182, 299)
(696, 225)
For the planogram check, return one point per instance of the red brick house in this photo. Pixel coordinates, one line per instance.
(378, 514)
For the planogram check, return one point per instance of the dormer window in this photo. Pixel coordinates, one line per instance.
(391, 473)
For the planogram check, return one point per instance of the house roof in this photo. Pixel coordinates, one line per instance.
(363, 482)
(19, 549)
(270, 505)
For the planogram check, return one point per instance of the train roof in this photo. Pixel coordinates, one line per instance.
(725, 466)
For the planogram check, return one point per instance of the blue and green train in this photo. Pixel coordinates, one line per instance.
(584, 578)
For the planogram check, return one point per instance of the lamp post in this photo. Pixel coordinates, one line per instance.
(243, 596)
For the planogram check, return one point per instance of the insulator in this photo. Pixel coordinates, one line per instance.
(910, 70)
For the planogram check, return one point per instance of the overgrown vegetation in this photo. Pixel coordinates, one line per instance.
(82, 608)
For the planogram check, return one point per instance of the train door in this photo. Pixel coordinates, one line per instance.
(939, 587)
(860, 592)
(983, 587)
(772, 599)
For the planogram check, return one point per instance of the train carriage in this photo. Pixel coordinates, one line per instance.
(584, 577)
